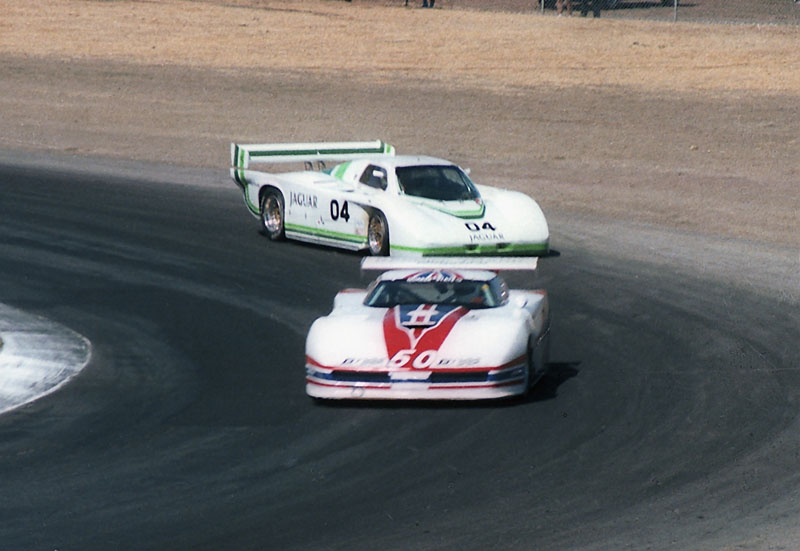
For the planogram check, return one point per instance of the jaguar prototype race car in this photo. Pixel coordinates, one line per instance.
(386, 203)
(431, 330)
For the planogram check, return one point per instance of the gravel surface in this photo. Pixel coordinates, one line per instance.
(684, 126)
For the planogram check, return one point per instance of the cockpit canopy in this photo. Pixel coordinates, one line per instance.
(438, 287)
(438, 182)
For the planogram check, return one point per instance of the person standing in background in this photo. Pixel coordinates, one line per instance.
(595, 7)
(560, 6)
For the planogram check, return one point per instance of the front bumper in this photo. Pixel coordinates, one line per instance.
(442, 384)
(483, 249)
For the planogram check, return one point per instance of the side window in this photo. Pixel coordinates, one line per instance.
(374, 176)
(500, 289)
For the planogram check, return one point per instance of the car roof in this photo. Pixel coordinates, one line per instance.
(425, 275)
(413, 160)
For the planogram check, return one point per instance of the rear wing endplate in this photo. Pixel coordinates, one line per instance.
(494, 264)
(243, 154)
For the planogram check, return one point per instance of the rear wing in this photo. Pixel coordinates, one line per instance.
(243, 154)
(494, 264)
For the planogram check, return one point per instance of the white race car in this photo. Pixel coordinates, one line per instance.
(387, 203)
(431, 330)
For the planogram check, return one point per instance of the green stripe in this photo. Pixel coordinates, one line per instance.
(477, 213)
(255, 209)
(339, 170)
(433, 204)
(240, 176)
(525, 249)
(326, 233)
(332, 151)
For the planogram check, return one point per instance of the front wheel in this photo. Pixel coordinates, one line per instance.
(378, 234)
(272, 214)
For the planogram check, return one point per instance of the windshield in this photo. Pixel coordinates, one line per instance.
(442, 183)
(470, 294)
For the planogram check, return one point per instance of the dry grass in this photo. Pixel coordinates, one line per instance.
(487, 50)
(691, 126)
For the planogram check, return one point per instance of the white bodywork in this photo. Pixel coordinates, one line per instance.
(333, 207)
(428, 351)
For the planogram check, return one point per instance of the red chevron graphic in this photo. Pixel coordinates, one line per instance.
(425, 329)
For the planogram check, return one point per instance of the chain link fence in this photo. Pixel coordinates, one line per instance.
(776, 12)
(709, 11)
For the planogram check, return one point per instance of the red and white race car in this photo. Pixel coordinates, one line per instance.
(435, 329)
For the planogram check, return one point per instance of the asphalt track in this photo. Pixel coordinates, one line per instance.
(669, 419)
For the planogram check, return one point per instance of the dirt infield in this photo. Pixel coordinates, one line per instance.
(687, 125)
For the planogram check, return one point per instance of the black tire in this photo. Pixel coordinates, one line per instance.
(538, 360)
(272, 214)
(378, 234)
(546, 354)
(528, 371)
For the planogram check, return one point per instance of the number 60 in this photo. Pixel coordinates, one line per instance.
(422, 360)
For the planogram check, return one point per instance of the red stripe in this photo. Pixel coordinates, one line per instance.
(347, 385)
(315, 363)
(462, 387)
(436, 386)
(513, 363)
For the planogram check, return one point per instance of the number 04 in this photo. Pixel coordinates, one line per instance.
(342, 212)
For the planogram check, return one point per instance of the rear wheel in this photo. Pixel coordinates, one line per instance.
(272, 214)
(378, 234)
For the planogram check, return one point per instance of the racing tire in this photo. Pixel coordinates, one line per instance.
(272, 214)
(530, 370)
(378, 234)
(538, 358)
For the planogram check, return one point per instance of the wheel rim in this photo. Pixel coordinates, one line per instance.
(376, 234)
(272, 215)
